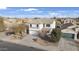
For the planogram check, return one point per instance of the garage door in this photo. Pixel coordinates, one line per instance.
(33, 32)
(68, 36)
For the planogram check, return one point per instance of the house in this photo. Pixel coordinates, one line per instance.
(71, 33)
(77, 21)
(68, 20)
(36, 25)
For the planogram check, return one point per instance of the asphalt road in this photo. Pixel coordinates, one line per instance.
(6, 46)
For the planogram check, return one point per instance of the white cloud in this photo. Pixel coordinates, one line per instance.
(56, 14)
(53, 14)
(30, 9)
(3, 7)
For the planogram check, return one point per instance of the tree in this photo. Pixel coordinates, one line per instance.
(59, 21)
(56, 34)
(2, 26)
(54, 17)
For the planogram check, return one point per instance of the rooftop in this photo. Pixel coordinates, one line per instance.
(64, 26)
(41, 21)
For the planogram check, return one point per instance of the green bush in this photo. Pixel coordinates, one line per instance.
(56, 34)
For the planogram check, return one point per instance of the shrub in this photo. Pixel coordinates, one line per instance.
(2, 26)
(56, 34)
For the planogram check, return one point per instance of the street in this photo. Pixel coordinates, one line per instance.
(6, 46)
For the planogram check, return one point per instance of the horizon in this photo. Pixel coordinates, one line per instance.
(30, 12)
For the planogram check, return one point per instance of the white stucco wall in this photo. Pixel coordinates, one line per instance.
(34, 25)
(34, 28)
(40, 26)
(33, 32)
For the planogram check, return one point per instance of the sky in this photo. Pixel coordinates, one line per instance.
(39, 12)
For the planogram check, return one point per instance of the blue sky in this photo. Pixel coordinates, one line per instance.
(40, 11)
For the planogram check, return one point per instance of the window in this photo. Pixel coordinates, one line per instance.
(37, 25)
(30, 25)
(47, 25)
(34, 25)
(78, 35)
(43, 25)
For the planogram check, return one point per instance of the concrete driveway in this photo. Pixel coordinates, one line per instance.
(67, 45)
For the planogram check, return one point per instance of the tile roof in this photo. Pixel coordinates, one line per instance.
(41, 21)
(64, 26)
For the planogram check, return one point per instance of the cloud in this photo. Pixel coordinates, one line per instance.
(56, 14)
(53, 13)
(3, 7)
(29, 16)
(30, 9)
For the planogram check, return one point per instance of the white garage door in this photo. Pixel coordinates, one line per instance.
(33, 32)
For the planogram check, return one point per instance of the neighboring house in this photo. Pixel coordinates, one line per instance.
(68, 21)
(38, 24)
(77, 21)
(71, 33)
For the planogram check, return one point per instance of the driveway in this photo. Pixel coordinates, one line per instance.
(67, 45)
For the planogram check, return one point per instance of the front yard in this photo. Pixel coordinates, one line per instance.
(62, 45)
(28, 41)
